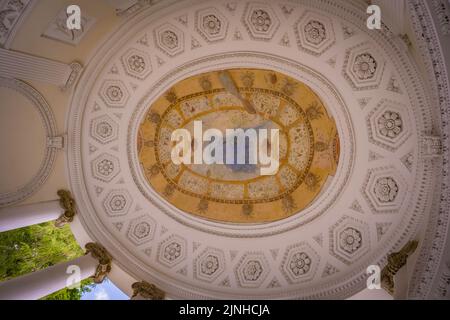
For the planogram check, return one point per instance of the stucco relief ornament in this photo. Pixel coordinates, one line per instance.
(104, 130)
(211, 24)
(315, 32)
(350, 240)
(386, 189)
(391, 125)
(261, 20)
(300, 263)
(118, 202)
(169, 39)
(142, 230)
(252, 271)
(365, 66)
(147, 291)
(114, 93)
(106, 167)
(98, 252)
(68, 204)
(210, 265)
(136, 63)
(172, 251)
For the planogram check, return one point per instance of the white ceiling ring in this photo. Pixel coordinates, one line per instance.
(380, 221)
(318, 83)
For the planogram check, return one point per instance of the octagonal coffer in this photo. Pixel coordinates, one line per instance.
(364, 67)
(261, 21)
(211, 24)
(349, 239)
(315, 33)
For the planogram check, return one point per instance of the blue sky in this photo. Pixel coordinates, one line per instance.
(105, 291)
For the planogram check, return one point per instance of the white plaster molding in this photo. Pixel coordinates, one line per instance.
(49, 124)
(434, 248)
(125, 8)
(442, 9)
(12, 15)
(393, 14)
(58, 142)
(139, 258)
(17, 65)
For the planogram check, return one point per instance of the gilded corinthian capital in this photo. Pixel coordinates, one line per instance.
(67, 203)
(98, 252)
(396, 261)
(147, 291)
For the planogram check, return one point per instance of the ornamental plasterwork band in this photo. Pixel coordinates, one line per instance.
(148, 237)
(433, 248)
(147, 291)
(12, 13)
(68, 204)
(396, 261)
(58, 142)
(97, 251)
(443, 13)
(49, 125)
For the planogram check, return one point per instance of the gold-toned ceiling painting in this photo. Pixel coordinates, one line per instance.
(238, 193)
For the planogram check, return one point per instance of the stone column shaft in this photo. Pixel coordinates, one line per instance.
(22, 216)
(41, 283)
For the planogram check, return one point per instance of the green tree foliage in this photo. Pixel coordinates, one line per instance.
(37, 247)
(71, 294)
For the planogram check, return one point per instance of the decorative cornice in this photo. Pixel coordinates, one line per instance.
(97, 251)
(396, 261)
(142, 262)
(68, 204)
(140, 4)
(443, 14)
(58, 143)
(147, 291)
(12, 13)
(434, 243)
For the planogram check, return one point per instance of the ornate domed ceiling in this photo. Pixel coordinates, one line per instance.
(308, 147)
(351, 180)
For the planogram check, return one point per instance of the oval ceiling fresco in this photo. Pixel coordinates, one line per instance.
(239, 193)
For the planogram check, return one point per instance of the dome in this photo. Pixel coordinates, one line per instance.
(361, 121)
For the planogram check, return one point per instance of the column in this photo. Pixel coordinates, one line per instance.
(401, 284)
(44, 282)
(23, 66)
(27, 215)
